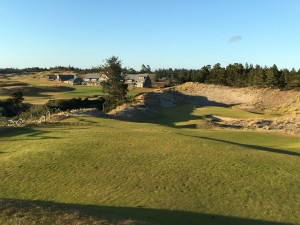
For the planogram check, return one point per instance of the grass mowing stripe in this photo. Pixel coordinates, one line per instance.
(124, 164)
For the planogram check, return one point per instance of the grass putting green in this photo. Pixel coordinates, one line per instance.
(153, 172)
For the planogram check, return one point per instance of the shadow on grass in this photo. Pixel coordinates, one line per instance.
(173, 107)
(255, 147)
(87, 121)
(39, 91)
(12, 83)
(170, 116)
(173, 115)
(35, 210)
(30, 132)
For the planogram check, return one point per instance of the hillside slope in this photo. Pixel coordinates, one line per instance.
(266, 109)
(256, 99)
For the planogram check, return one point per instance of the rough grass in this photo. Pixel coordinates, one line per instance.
(155, 172)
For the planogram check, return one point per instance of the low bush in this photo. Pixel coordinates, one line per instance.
(13, 106)
(76, 103)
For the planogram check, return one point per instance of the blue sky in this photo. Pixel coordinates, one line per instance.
(159, 33)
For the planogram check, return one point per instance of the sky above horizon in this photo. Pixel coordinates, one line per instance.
(160, 33)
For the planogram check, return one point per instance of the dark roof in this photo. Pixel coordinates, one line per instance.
(75, 80)
(66, 76)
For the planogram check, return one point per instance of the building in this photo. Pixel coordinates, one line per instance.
(61, 77)
(138, 80)
(64, 77)
(75, 81)
(94, 79)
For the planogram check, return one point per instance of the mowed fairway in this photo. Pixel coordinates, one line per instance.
(155, 172)
(37, 89)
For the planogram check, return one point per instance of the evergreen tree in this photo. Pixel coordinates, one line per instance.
(235, 75)
(201, 75)
(240, 75)
(115, 84)
(292, 79)
(251, 75)
(222, 76)
(182, 76)
(272, 77)
(259, 78)
(145, 69)
(214, 73)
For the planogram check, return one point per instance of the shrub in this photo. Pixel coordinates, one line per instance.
(13, 106)
(76, 103)
(36, 111)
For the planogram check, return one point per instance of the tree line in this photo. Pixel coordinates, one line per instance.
(236, 75)
(20, 71)
(56, 68)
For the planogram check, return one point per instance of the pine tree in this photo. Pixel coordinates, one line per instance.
(259, 78)
(115, 84)
(273, 76)
(214, 73)
(292, 79)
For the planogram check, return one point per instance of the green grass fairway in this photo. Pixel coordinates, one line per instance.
(231, 112)
(155, 172)
(188, 116)
(38, 90)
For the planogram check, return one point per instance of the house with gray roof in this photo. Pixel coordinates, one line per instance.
(75, 81)
(94, 78)
(138, 80)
